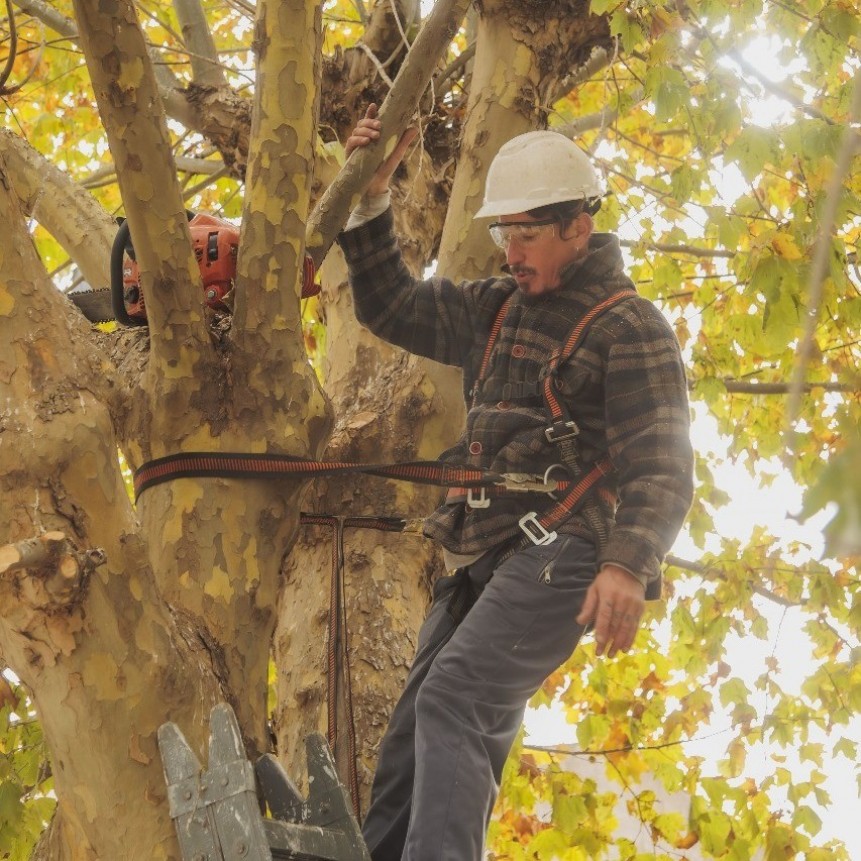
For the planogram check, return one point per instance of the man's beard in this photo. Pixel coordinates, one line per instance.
(526, 270)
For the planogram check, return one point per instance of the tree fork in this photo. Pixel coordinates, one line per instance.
(104, 658)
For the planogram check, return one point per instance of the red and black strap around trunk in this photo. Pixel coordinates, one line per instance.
(227, 465)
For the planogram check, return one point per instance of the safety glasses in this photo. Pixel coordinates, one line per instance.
(521, 232)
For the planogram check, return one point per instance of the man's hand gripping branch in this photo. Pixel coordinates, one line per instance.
(366, 132)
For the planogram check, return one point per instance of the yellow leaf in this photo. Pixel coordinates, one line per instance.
(785, 247)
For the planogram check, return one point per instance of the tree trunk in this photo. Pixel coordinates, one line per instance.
(105, 658)
(181, 613)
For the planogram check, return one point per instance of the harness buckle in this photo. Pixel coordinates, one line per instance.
(559, 431)
(482, 501)
(535, 532)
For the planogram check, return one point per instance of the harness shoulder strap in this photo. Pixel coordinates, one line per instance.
(557, 411)
(563, 431)
(495, 329)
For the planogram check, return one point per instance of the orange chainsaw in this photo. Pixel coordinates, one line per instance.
(216, 244)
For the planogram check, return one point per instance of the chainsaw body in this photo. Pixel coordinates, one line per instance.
(216, 245)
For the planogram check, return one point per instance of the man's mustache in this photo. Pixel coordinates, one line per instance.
(517, 270)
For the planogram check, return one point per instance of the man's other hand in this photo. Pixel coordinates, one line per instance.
(614, 605)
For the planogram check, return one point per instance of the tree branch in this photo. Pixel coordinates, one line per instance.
(691, 250)
(599, 59)
(217, 113)
(818, 267)
(72, 216)
(130, 108)
(331, 213)
(13, 53)
(383, 37)
(205, 67)
(376, 63)
(453, 68)
(198, 166)
(754, 388)
(49, 16)
(599, 120)
(278, 180)
(710, 571)
(777, 89)
(66, 27)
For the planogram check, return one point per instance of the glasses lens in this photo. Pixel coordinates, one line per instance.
(528, 233)
(498, 235)
(522, 233)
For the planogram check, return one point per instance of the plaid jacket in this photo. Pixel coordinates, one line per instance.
(624, 387)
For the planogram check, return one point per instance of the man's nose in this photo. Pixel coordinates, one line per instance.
(513, 252)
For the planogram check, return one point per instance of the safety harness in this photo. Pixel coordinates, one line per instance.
(561, 430)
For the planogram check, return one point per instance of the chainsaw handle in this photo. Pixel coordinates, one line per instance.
(118, 250)
(122, 244)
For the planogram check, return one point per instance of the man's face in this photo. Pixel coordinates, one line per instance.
(536, 252)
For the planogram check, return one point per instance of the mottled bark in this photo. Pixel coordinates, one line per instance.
(390, 408)
(105, 659)
(67, 212)
(521, 55)
(182, 612)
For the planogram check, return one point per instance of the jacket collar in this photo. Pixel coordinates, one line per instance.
(599, 273)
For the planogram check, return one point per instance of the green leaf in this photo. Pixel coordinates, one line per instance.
(752, 150)
(843, 531)
(628, 28)
(669, 91)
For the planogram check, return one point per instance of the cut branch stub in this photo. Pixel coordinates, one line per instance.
(61, 569)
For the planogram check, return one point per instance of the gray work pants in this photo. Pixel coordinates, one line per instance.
(478, 662)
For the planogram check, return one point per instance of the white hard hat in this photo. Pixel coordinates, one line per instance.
(536, 169)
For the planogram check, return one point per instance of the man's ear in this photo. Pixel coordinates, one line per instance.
(580, 229)
(584, 225)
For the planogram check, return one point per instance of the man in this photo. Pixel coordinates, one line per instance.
(519, 596)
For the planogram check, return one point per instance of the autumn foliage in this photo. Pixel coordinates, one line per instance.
(728, 131)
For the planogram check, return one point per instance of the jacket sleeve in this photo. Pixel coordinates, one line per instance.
(434, 318)
(648, 435)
